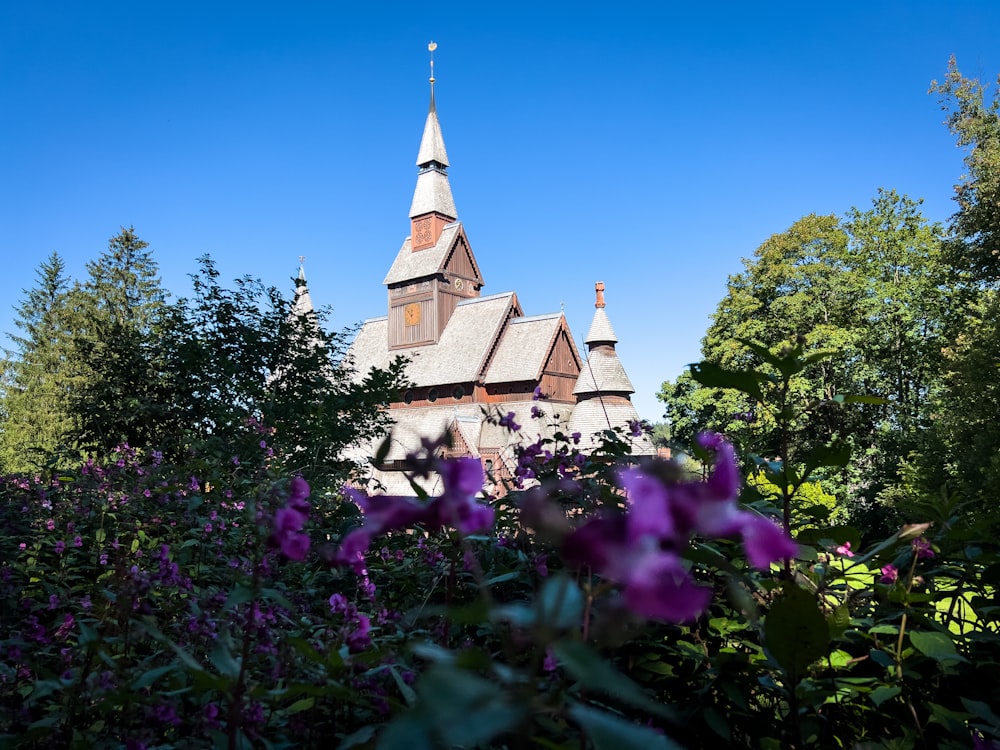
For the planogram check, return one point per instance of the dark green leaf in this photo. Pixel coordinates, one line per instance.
(795, 631)
(609, 732)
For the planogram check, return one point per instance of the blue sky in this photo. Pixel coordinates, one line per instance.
(647, 145)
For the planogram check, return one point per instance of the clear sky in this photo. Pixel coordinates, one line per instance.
(647, 145)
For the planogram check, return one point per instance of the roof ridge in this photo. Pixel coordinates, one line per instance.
(487, 298)
(540, 316)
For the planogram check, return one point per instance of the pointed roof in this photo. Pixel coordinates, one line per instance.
(525, 346)
(432, 143)
(409, 266)
(600, 331)
(303, 304)
(433, 191)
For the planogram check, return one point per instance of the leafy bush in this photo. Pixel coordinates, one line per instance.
(597, 603)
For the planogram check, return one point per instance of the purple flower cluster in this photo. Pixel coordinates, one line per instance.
(357, 627)
(288, 521)
(641, 548)
(456, 508)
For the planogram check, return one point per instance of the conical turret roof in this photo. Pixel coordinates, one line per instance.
(433, 191)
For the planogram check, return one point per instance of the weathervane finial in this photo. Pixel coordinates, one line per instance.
(430, 48)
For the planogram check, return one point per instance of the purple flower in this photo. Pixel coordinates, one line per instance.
(659, 587)
(359, 639)
(550, 663)
(636, 549)
(456, 507)
(536, 413)
(288, 534)
(765, 542)
(541, 565)
(844, 550)
(508, 421)
(922, 548)
(297, 494)
(60, 547)
(890, 574)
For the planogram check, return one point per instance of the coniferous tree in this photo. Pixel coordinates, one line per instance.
(121, 304)
(38, 375)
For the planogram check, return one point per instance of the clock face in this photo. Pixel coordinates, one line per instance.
(411, 314)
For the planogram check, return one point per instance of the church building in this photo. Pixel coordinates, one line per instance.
(473, 355)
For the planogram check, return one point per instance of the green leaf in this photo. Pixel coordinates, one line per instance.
(409, 695)
(222, 659)
(303, 704)
(836, 454)
(795, 631)
(982, 711)
(937, 646)
(713, 376)
(463, 708)
(148, 678)
(594, 673)
(839, 621)
(560, 602)
(609, 732)
(241, 594)
(882, 658)
(884, 693)
(407, 732)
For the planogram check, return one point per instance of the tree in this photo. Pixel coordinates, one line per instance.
(968, 406)
(121, 388)
(871, 288)
(37, 376)
(975, 122)
(237, 358)
(794, 287)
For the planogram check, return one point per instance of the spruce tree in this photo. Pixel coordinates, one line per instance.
(39, 373)
(122, 301)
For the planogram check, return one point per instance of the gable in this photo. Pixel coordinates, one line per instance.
(460, 261)
(563, 357)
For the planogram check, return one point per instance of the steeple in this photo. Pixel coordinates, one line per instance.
(603, 389)
(302, 305)
(433, 206)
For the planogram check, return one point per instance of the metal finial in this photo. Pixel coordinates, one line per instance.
(430, 48)
(302, 259)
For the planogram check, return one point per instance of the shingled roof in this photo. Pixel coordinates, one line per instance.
(602, 373)
(523, 349)
(459, 356)
(411, 265)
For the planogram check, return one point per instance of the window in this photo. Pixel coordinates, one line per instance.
(432, 395)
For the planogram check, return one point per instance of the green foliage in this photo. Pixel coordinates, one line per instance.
(974, 120)
(110, 362)
(37, 381)
(870, 287)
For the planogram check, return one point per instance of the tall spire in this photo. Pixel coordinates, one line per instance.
(302, 305)
(433, 192)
